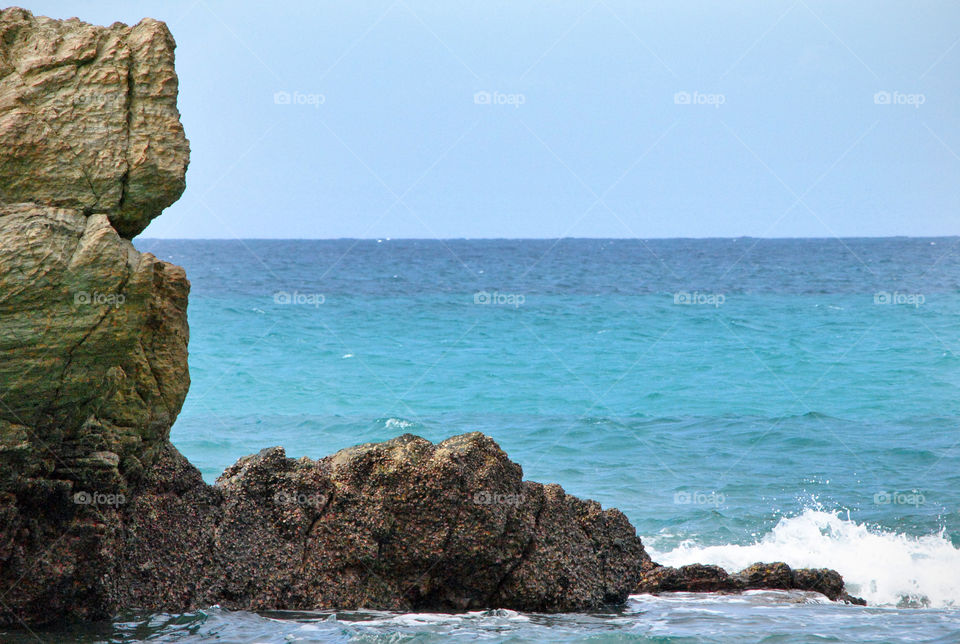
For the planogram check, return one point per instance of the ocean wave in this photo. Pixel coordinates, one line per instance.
(397, 423)
(885, 568)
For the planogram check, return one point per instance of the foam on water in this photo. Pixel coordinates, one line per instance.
(398, 423)
(885, 568)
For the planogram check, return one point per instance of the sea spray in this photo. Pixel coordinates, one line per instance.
(885, 568)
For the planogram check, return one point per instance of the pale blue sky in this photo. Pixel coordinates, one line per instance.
(589, 140)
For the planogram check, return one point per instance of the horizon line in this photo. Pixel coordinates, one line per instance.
(446, 239)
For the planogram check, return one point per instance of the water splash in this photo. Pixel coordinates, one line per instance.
(885, 568)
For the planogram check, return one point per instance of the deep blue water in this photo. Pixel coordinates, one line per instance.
(738, 399)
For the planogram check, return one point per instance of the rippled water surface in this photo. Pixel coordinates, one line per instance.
(739, 400)
(767, 616)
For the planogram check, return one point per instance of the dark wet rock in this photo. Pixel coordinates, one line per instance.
(779, 575)
(759, 576)
(847, 598)
(409, 525)
(165, 542)
(766, 576)
(403, 525)
(697, 578)
(822, 580)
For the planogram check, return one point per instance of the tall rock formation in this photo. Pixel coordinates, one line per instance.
(93, 334)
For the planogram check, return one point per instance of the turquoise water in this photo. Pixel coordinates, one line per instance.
(739, 400)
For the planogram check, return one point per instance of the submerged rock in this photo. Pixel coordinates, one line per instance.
(759, 576)
(695, 578)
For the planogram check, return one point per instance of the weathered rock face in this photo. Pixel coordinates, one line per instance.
(88, 118)
(402, 525)
(94, 345)
(93, 339)
(93, 334)
(411, 525)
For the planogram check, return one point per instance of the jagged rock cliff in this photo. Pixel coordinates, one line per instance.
(93, 334)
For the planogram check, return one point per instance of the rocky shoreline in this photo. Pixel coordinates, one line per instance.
(98, 510)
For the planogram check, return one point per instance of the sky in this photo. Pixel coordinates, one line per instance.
(598, 118)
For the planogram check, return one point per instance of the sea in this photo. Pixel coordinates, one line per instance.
(740, 400)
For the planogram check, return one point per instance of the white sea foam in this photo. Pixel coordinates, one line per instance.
(885, 568)
(397, 423)
(424, 619)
